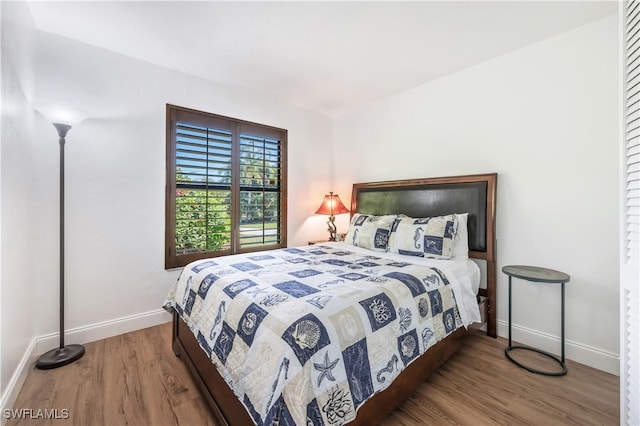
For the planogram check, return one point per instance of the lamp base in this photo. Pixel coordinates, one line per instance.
(332, 228)
(60, 356)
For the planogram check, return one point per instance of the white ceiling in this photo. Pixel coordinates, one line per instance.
(324, 56)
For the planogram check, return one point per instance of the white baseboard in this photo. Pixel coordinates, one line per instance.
(103, 330)
(575, 351)
(17, 380)
(79, 335)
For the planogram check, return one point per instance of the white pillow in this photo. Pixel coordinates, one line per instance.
(460, 249)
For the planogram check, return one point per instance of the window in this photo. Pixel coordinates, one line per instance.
(226, 186)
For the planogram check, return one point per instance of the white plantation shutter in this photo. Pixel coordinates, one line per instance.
(630, 221)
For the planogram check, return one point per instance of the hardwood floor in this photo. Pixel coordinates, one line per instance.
(134, 379)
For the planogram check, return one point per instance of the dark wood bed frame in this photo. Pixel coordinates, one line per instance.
(475, 194)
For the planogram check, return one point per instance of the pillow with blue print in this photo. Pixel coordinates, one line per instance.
(426, 237)
(369, 231)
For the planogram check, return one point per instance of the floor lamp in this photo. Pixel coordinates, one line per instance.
(63, 117)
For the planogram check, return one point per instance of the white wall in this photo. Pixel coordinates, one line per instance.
(116, 176)
(545, 118)
(17, 183)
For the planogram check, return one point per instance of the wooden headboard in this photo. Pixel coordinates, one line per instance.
(473, 194)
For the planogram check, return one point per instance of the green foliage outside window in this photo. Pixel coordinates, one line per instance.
(203, 221)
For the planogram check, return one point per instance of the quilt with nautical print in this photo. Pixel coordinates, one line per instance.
(306, 335)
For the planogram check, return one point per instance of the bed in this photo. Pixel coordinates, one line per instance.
(306, 304)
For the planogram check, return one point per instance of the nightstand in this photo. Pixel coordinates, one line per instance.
(539, 275)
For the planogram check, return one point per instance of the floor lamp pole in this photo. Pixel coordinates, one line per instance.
(62, 355)
(62, 132)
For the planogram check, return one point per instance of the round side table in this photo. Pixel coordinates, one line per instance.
(541, 275)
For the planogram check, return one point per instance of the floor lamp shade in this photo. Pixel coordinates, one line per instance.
(63, 117)
(58, 112)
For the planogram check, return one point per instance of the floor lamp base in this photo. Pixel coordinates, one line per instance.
(60, 356)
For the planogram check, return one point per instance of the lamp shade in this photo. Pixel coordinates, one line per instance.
(60, 113)
(331, 205)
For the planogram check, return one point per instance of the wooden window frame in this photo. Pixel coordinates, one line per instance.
(238, 126)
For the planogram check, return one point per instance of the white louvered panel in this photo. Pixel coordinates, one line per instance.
(633, 134)
(633, 151)
(631, 172)
(633, 78)
(632, 106)
(632, 355)
(633, 99)
(633, 235)
(630, 220)
(633, 147)
(632, 81)
(631, 18)
(632, 56)
(633, 115)
(632, 204)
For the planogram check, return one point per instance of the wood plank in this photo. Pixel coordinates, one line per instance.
(135, 379)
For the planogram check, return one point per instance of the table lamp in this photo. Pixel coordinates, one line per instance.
(331, 205)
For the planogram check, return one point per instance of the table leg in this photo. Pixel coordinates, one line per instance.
(509, 310)
(562, 322)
